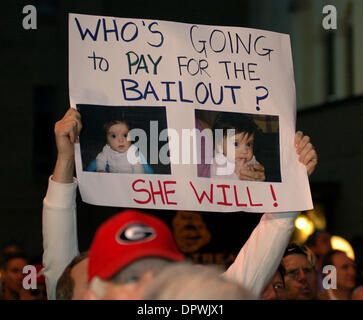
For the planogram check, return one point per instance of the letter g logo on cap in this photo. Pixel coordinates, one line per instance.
(135, 233)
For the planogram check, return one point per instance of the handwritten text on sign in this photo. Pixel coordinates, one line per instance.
(216, 41)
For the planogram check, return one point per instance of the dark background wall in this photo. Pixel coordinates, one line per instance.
(337, 133)
(34, 92)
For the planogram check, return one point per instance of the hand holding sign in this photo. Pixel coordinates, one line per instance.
(306, 152)
(66, 133)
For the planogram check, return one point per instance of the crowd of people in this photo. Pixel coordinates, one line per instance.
(133, 255)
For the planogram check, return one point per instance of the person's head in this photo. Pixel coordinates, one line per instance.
(275, 289)
(12, 271)
(126, 252)
(345, 268)
(319, 242)
(238, 132)
(357, 293)
(186, 281)
(300, 275)
(72, 284)
(116, 135)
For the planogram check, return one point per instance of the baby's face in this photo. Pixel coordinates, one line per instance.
(242, 144)
(117, 137)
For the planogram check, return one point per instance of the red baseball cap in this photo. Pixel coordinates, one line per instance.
(128, 236)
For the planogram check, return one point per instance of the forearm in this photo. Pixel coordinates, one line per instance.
(261, 254)
(63, 171)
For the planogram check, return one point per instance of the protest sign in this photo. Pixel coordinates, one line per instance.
(174, 113)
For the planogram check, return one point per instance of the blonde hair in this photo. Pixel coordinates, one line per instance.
(295, 248)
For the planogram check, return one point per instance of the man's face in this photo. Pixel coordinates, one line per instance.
(242, 144)
(79, 274)
(117, 137)
(275, 290)
(190, 231)
(346, 272)
(300, 278)
(13, 274)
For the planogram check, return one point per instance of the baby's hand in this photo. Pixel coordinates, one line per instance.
(250, 172)
(259, 170)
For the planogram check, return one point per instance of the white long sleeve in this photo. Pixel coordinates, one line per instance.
(261, 255)
(60, 242)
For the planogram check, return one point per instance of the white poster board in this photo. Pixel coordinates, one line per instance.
(165, 82)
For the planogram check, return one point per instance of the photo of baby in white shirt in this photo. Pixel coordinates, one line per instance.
(114, 155)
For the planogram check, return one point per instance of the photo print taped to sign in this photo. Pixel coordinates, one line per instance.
(150, 93)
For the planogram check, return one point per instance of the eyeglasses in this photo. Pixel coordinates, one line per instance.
(294, 274)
